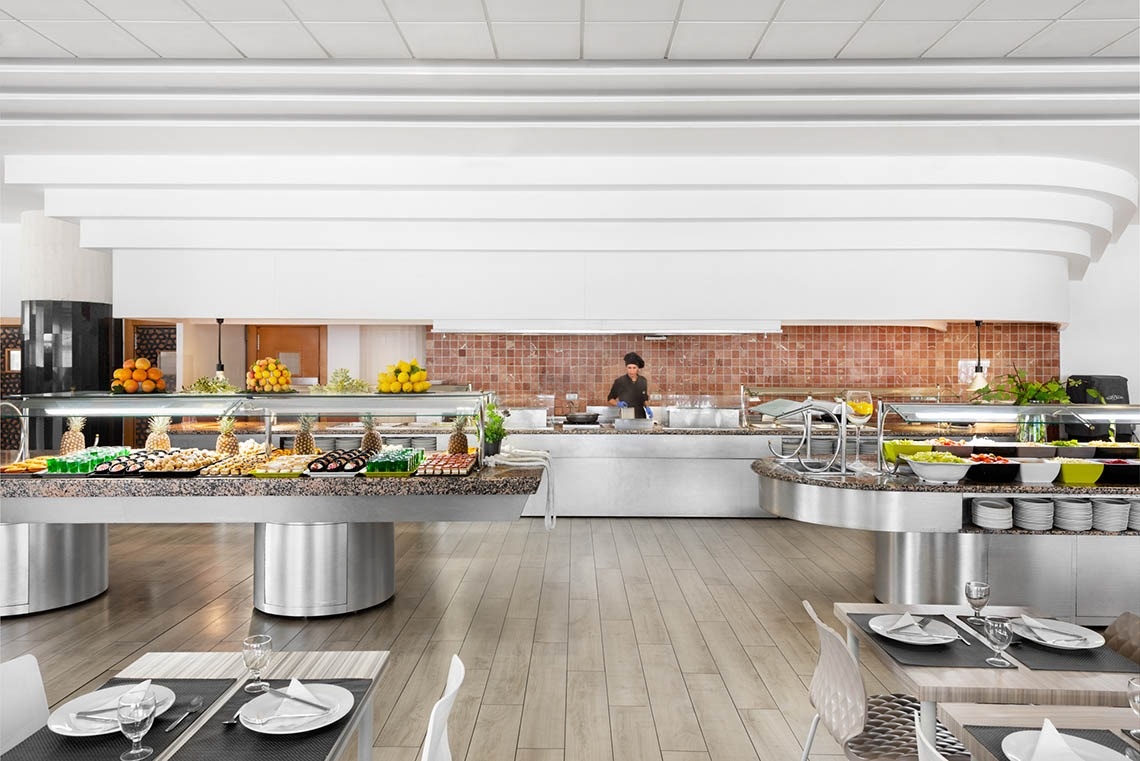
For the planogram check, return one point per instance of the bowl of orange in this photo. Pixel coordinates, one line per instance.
(138, 376)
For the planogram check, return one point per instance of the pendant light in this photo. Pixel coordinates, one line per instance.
(220, 369)
(979, 381)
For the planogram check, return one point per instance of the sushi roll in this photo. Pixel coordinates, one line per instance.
(336, 466)
(316, 466)
(353, 465)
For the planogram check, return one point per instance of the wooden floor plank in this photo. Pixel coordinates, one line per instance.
(587, 717)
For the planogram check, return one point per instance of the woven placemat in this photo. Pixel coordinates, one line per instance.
(1042, 658)
(991, 738)
(46, 745)
(234, 742)
(956, 653)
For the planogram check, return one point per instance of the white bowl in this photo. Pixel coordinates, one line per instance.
(938, 472)
(1034, 470)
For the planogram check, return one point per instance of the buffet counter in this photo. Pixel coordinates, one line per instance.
(927, 547)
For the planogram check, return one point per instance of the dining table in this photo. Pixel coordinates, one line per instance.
(982, 727)
(933, 683)
(221, 677)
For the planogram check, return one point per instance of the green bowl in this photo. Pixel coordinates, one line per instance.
(892, 449)
(1081, 473)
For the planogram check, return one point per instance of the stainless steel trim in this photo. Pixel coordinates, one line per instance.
(869, 509)
(48, 566)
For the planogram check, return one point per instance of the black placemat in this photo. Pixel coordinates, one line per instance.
(1042, 658)
(46, 745)
(234, 742)
(991, 737)
(956, 653)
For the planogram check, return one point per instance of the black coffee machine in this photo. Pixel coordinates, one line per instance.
(1114, 389)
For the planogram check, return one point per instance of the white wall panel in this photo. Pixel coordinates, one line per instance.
(344, 349)
(10, 270)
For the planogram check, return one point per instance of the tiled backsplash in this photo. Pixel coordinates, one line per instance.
(519, 367)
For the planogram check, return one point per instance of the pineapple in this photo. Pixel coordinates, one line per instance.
(227, 443)
(457, 442)
(304, 443)
(72, 439)
(157, 437)
(370, 440)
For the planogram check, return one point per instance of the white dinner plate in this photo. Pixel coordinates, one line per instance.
(264, 705)
(935, 633)
(1091, 639)
(60, 720)
(1018, 746)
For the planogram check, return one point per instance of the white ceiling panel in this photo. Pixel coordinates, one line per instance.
(804, 39)
(533, 10)
(339, 10)
(359, 39)
(458, 40)
(268, 39)
(26, 10)
(1126, 46)
(182, 39)
(709, 40)
(1106, 9)
(1015, 10)
(826, 10)
(984, 39)
(436, 10)
(243, 10)
(1074, 38)
(728, 10)
(644, 41)
(631, 10)
(894, 39)
(20, 41)
(93, 39)
(537, 41)
(146, 10)
(924, 10)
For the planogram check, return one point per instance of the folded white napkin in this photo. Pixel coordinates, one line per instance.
(906, 623)
(1045, 632)
(289, 714)
(89, 722)
(1051, 746)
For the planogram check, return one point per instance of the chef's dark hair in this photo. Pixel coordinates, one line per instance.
(634, 359)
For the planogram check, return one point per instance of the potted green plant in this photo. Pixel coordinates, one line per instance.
(493, 430)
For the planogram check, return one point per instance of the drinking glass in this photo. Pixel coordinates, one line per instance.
(999, 635)
(1134, 702)
(977, 594)
(136, 715)
(255, 651)
(859, 410)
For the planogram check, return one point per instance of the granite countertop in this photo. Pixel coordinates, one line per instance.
(489, 481)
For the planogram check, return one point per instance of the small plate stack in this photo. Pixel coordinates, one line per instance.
(994, 513)
(1033, 514)
(1110, 514)
(1134, 515)
(1072, 514)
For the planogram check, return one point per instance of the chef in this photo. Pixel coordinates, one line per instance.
(631, 389)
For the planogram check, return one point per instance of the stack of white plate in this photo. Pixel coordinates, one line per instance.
(1134, 514)
(427, 443)
(1072, 514)
(1110, 514)
(1033, 514)
(993, 513)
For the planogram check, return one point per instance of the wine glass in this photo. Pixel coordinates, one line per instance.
(999, 635)
(255, 651)
(136, 716)
(978, 595)
(859, 410)
(1134, 702)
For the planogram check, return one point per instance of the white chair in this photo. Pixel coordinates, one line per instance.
(926, 750)
(436, 747)
(23, 702)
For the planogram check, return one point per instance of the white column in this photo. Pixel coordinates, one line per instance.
(54, 268)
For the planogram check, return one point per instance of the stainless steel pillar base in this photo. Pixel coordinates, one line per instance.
(322, 569)
(44, 566)
(914, 568)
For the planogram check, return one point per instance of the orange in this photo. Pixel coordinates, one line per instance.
(160, 384)
(139, 374)
(121, 374)
(147, 386)
(116, 385)
(153, 373)
(129, 364)
(142, 363)
(130, 386)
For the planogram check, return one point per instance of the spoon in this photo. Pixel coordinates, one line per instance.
(195, 704)
(233, 719)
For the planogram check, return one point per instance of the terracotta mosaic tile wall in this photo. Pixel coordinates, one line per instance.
(519, 367)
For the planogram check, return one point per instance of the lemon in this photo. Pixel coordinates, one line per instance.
(406, 387)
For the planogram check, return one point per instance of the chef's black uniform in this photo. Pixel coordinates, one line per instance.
(635, 393)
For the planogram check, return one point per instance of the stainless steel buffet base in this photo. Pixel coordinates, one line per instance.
(322, 569)
(45, 566)
(913, 568)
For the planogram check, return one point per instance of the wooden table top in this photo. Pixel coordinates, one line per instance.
(957, 716)
(986, 685)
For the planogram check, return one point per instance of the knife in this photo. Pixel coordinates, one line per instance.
(94, 712)
(287, 696)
